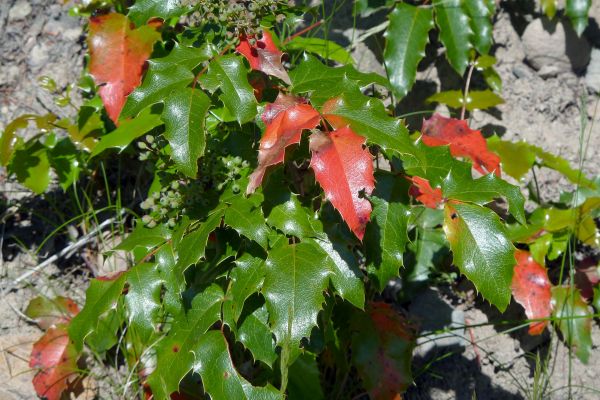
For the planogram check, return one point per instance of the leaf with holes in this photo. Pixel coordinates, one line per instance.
(49, 312)
(481, 250)
(574, 320)
(344, 169)
(463, 141)
(531, 288)
(54, 357)
(263, 55)
(117, 57)
(285, 120)
(406, 38)
(382, 346)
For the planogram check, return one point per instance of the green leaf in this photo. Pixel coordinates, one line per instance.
(455, 32)
(128, 131)
(574, 319)
(48, 312)
(8, 139)
(142, 10)
(295, 280)
(345, 272)
(100, 298)
(219, 376)
(166, 75)
(432, 163)
(255, 334)
(248, 220)
(386, 240)
(192, 247)
(577, 11)
(517, 157)
(32, 167)
(325, 82)
(549, 8)
(323, 48)
(481, 250)
(145, 237)
(407, 36)
(476, 100)
(246, 279)
(230, 75)
(181, 349)
(143, 300)
(459, 185)
(185, 115)
(287, 214)
(64, 159)
(367, 117)
(481, 24)
(493, 79)
(305, 381)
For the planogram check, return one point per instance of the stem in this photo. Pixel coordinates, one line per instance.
(302, 32)
(466, 93)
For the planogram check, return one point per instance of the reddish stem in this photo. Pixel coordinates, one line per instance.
(302, 32)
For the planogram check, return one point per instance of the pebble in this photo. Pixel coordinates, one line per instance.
(19, 11)
(553, 48)
(38, 56)
(592, 76)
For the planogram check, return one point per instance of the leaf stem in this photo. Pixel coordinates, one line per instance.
(303, 31)
(466, 92)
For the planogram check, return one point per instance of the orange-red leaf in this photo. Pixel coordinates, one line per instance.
(344, 168)
(464, 142)
(285, 119)
(49, 312)
(531, 288)
(382, 350)
(55, 357)
(423, 192)
(263, 55)
(117, 57)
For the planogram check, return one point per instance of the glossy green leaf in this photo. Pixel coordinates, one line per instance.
(100, 298)
(144, 237)
(295, 281)
(386, 240)
(246, 278)
(459, 185)
(577, 11)
(229, 74)
(346, 276)
(305, 379)
(493, 79)
(481, 250)
(179, 352)
(476, 100)
(367, 117)
(326, 49)
(142, 10)
(481, 24)
(185, 115)
(192, 247)
(431, 163)
(288, 215)
(128, 131)
(165, 75)
(32, 167)
(323, 82)
(406, 38)
(8, 138)
(143, 300)
(220, 378)
(255, 334)
(248, 220)
(574, 319)
(455, 32)
(64, 159)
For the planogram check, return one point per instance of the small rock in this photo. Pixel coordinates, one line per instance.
(521, 71)
(38, 56)
(592, 76)
(19, 11)
(553, 48)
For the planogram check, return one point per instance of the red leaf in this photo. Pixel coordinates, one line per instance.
(117, 57)
(382, 350)
(285, 119)
(531, 288)
(49, 312)
(587, 276)
(464, 142)
(263, 55)
(56, 358)
(344, 167)
(423, 192)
